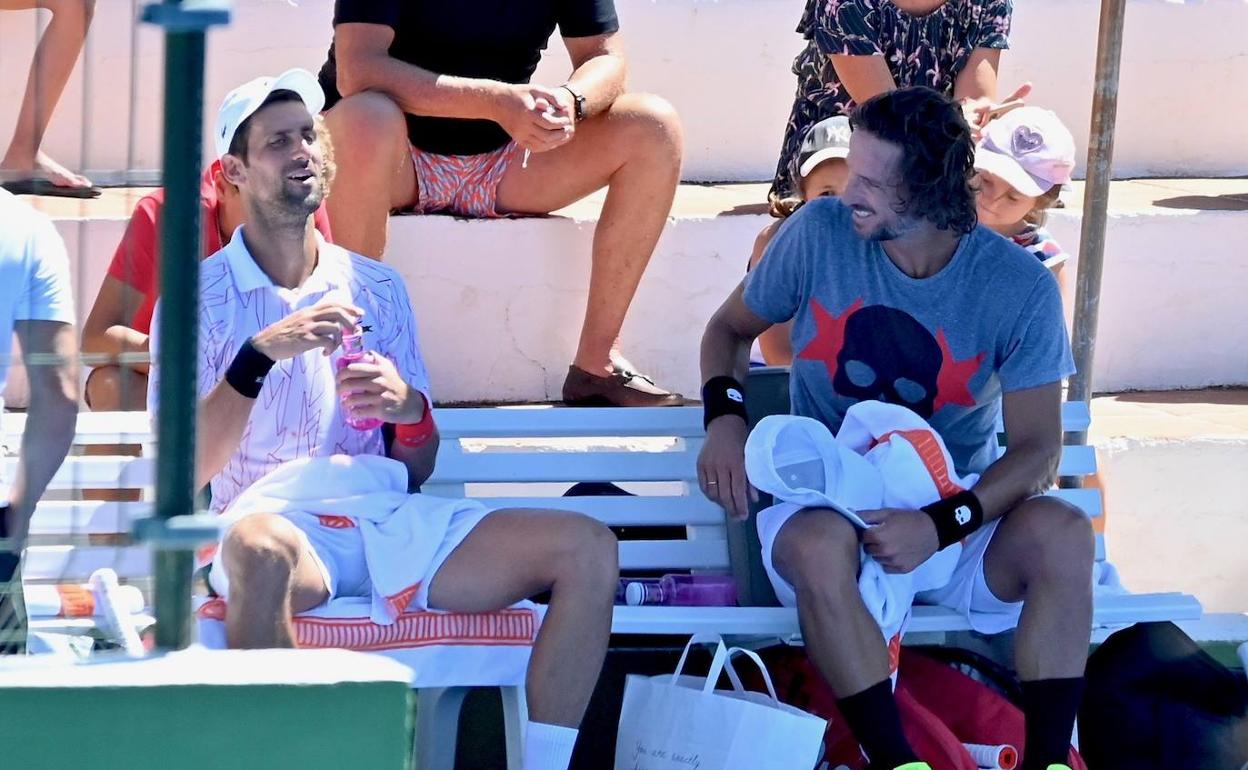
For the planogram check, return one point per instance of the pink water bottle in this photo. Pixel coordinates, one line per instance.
(352, 351)
(683, 591)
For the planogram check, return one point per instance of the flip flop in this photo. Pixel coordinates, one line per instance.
(45, 187)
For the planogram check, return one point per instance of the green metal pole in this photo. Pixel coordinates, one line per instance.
(179, 325)
(1096, 195)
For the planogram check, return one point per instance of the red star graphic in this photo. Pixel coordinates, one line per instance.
(829, 336)
(953, 382)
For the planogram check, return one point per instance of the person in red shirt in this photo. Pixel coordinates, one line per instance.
(121, 317)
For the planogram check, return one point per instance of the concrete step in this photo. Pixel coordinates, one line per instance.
(734, 106)
(500, 302)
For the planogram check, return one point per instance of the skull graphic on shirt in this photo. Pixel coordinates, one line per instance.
(884, 354)
(888, 356)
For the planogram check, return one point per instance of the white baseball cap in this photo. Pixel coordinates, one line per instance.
(1030, 148)
(797, 460)
(243, 101)
(827, 139)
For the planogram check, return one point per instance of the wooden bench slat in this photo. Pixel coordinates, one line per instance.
(1077, 461)
(106, 472)
(70, 563)
(781, 622)
(77, 626)
(523, 467)
(693, 510)
(1086, 500)
(92, 428)
(86, 517)
(674, 555)
(547, 421)
(64, 563)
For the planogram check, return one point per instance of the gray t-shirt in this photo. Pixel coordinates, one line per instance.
(946, 346)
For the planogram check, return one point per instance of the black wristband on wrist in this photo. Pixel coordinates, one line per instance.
(955, 517)
(720, 396)
(247, 371)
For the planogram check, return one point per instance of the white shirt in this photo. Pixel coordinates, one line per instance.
(298, 413)
(34, 277)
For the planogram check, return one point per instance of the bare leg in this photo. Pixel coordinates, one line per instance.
(272, 577)
(817, 552)
(527, 552)
(1042, 554)
(375, 174)
(635, 150)
(111, 388)
(54, 61)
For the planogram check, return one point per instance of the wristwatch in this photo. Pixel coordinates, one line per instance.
(579, 99)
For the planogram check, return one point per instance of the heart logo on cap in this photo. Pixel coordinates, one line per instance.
(1026, 140)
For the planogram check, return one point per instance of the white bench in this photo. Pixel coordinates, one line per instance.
(528, 456)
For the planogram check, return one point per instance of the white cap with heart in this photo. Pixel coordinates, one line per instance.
(1030, 148)
(242, 102)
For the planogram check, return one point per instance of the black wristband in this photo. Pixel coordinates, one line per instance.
(720, 396)
(955, 517)
(248, 369)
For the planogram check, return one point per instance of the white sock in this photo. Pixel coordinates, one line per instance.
(548, 747)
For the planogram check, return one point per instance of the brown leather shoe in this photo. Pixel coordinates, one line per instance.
(621, 388)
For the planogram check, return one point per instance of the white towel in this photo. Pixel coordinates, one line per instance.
(885, 456)
(401, 532)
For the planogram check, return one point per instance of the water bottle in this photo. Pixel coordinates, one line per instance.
(682, 591)
(352, 351)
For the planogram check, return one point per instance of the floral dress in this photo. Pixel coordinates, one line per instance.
(920, 50)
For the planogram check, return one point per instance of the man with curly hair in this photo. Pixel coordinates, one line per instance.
(897, 295)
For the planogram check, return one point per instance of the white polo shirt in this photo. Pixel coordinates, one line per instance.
(34, 278)
(298, 413)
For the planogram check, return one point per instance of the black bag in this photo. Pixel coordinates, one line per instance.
(1156, 701)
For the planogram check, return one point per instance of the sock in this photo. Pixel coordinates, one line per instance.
(875, 721)
(548, 747)
(1049, 707)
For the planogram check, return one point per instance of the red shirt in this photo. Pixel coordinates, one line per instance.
(136, 262)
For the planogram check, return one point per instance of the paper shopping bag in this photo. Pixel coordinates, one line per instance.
(677, 722)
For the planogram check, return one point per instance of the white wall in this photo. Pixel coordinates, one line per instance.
(1172, 313)
(724, 64)
(500, 303)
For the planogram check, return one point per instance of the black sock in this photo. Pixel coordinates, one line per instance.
(875, 721)
(1050, 707)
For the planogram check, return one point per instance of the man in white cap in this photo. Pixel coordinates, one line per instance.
(276, 303)
(36, 302)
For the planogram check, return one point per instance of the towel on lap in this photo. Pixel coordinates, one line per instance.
(401, 532)
(885, 456)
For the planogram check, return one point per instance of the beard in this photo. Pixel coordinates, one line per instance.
(300, 199)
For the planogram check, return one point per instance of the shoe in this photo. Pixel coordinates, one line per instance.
(620, 388)
(34, 186)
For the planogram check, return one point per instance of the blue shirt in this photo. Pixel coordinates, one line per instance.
(946, 346)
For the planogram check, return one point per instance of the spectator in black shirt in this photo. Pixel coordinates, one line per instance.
(431, 110)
